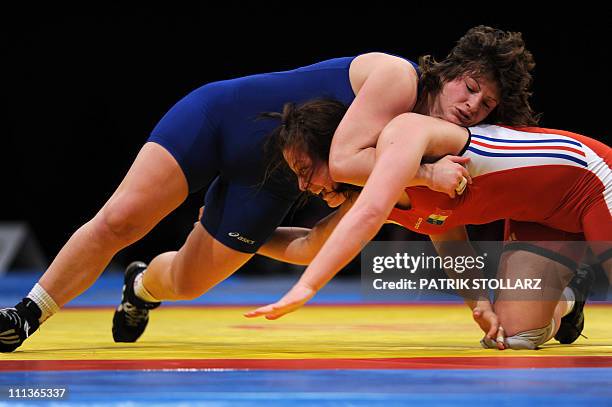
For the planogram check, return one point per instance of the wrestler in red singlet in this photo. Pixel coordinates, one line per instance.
(551, 177)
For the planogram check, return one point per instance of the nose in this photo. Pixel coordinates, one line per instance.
(473, 103)
(303, 183)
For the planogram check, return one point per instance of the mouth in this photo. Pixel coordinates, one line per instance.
(463, 117)
(325, 194)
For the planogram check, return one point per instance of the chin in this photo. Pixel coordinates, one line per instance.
(335, 201)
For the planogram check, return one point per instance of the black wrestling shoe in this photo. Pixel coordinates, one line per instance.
(132, 315)
(17, 324)
(573, 323)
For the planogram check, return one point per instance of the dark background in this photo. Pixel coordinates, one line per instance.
(82, 89)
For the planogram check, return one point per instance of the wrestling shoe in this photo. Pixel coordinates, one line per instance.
(17, 324)
(573, 323)
(132, 315)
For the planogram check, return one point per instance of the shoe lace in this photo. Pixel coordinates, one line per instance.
(134, 315)
(13, 316)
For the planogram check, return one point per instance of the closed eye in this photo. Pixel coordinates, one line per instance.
(472, 85)
(490, 104)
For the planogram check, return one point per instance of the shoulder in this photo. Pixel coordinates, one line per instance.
(385, 68)
(365, 64)
(378, 59)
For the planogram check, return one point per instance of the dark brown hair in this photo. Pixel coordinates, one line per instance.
(495, 54)
(308, 127)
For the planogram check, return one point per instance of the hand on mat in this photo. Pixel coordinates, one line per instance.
(447, 175)
(294, 299)
(489, 323)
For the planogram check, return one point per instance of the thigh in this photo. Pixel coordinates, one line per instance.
(237, 220)
(523, 310)
(534, 251)
(203, 262)
(597, 224)
(564, 247)
(139, 199)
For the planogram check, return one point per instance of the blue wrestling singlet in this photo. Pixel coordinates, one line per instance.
(215, 134)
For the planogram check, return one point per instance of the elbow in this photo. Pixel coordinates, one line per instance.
(339, 169)
(306, 258)
(341, 161)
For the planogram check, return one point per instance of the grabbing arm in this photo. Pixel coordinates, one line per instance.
(453, 243)
(441, 176)
(385, 86)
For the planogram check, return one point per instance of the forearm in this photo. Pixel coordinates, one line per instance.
(454, 244)
(472, 297)
(422, 177)
(300, 245)
(353, 168)
(339, 250)
(356, 168)
(289, 245)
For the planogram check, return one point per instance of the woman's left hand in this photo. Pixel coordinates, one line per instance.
(489, 323)
(448, 174)
(294, 299)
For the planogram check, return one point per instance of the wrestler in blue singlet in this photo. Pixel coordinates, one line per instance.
(215, 134)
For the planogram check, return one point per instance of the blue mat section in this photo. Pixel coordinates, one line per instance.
(106, 291)
(558, 387)
(236, 290)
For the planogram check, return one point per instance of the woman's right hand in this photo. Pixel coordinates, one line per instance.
(299, 295)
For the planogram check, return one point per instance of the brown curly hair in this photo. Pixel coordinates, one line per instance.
(496, 54)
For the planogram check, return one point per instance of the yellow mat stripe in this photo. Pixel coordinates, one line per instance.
(312, 332)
